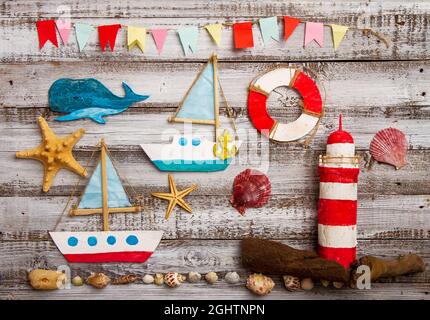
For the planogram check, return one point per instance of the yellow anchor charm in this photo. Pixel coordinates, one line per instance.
(223, 141)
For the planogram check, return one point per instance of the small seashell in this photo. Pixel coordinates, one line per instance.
(260, 284)
(232, 277)
(77, 281)
(251, 189)
(125, 279)
(148, 279)
(325, 283)
(98, 280)
(194, 276)
(159, 279)
(41, 279)
(291, 283)
(390, 146)
(173, 279)
(307, 284)
(338, 285)
(211, 277)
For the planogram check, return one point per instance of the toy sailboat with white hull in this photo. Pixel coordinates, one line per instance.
(199, 106)
(105, 194)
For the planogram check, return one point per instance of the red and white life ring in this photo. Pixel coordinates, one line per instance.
(260, 89)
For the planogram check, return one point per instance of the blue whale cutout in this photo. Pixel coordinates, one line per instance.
(88, 98)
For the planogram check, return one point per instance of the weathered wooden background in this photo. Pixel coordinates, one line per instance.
(374, 87)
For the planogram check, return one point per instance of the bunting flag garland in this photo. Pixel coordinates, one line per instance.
(338, 34)
(46, 32)
(314, 31)
(290, 24)
(64, 27)
(83, 32)
(136, 36)
(269, 29)
(243, 37)
(242, 33)
(215, 32)
(189, 37)
(159, 36)
(107, 35)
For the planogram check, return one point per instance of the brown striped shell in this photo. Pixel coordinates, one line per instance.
(251, 189)
(389, 146)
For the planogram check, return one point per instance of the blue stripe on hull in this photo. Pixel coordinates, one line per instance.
(194, 166)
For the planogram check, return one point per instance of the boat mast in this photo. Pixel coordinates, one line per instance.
(216, 100)
(105, 208)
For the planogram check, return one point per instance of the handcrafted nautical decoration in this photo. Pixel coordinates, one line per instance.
(175, 197)
(390, 146)
(104, 195)
(54, 153)
(251, 189)
(191, 152)
(88, 98)
(337, 211)
(264, 84)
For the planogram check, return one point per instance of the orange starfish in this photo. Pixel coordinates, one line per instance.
(54, 153)
(175, 197)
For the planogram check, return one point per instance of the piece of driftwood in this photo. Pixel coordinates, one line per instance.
(271, 257)
(380, 268)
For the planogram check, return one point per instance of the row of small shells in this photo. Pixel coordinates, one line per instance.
(263, 285)
(171, 279)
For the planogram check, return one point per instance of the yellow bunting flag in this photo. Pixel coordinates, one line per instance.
(338, 34)
(136, 36)
(215, 32)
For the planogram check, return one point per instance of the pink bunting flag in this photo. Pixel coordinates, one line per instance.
(64, 27)
(314, 31)
(159, 36)
(46, 32)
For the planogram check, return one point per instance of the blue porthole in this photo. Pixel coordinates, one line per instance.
(111, 240)
(132, 240)
(72, 241)
(196, 142)
(92, 241)
(183, 141)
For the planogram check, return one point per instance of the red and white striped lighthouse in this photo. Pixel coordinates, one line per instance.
(337, 210)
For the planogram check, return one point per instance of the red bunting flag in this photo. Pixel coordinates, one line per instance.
(290, 24)
(46, 31)
(107, 35)
(243, 37)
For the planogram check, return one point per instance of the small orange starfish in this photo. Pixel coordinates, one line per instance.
(175, 197)
(54, 153)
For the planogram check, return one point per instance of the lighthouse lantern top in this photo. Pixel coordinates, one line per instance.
(340, 136)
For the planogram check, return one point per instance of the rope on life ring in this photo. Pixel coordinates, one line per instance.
(260, 89)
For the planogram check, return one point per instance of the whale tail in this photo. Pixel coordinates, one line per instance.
(131, 95)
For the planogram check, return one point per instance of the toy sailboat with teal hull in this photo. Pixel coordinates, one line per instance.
(191, 152)
(105, 195)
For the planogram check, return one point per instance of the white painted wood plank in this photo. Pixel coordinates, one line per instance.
(378, 291)
(344, 84)
(131, 129)
(221, 256)
(219, 9)
(380, 217)
(292, 172)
